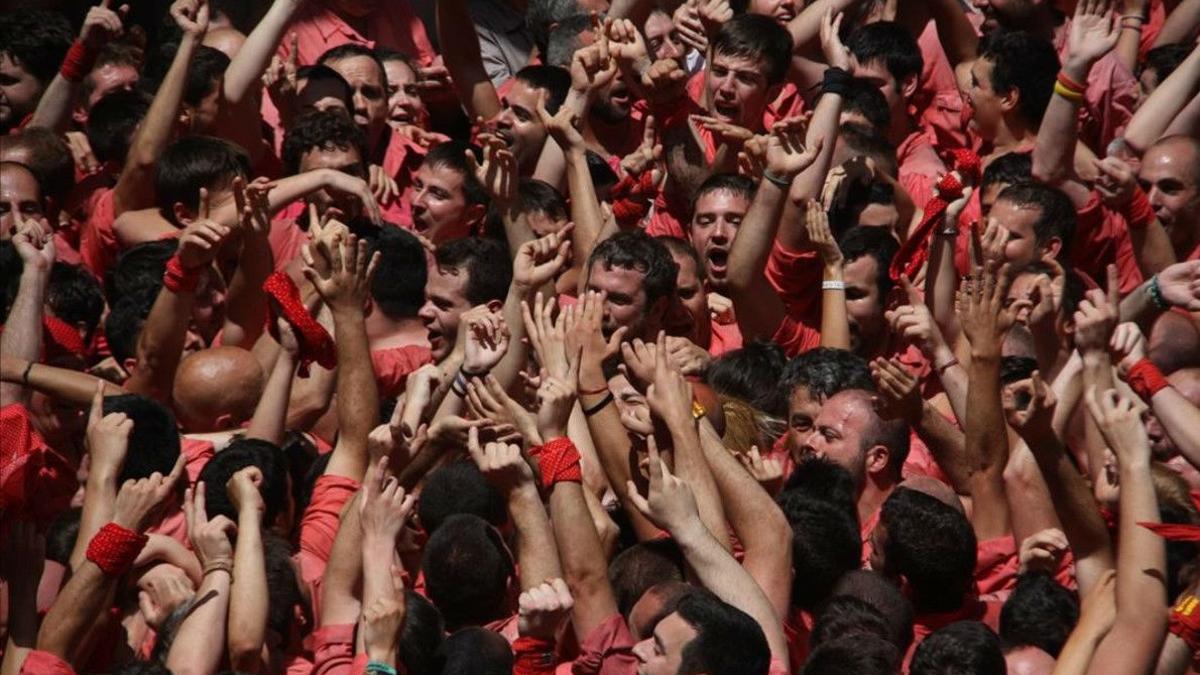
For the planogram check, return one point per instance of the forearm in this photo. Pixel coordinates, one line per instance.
(244, 74)
(986, 446)
(270, 415)
(200, 641)
(805, 27)
(1054, 151)
(1077, 653)
(1187, 122)
(584, 565)
(310, 398)
(64, 385)
(1128, 45)
(947, 444)
(957, 35)
(692, 467)
(357, 394)
(1152, 248)
(73, 612)
(460, 50)
(248, 594)
(823, 128)
(585, 206)
(835, 327)
(1155, 114)
(22, 336)
(1180, 26)
(160, 345)
(536, 556)
(1097, 373)
(339, 601)
(246, 305)
(751, 248)
(377, 557)
(99, 504)
(941, 284)
(54, 108)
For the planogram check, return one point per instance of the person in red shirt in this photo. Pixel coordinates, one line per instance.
(1171, 170)
(34, 45)
(465, 273)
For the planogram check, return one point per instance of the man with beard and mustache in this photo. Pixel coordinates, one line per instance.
(637, 274)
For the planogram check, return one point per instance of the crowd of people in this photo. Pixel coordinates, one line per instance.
(561, 336)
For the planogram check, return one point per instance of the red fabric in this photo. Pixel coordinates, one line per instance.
(973, 609)
(631, 198)
(36, 481)
(333, 649)
(919, 164)
(393, 365)
(315, 342)
(1185, 621)
(1139, 213)
(1146, 379)
(179, 279)
(45, 663)
(318, 528)
(114, 549)
(98, 247)
(726, 337)
(286, 238)
(533, 656)
(60, 338)
(77, 63)
(559, 461)
(797, 629)
(1174, 532)
(196, 453)
(915, 250)
(1102, 238)
(607, 650)
(996, 565)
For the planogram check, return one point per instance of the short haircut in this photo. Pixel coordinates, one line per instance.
(351, 50)
(283, 591)
(865, 99)
(848, 615)
(878, 243)
(892, 434)
(641, 567)
(487, 263)
(421, 635)
(860, 653)
(139, 268)
(890, 43)
(542, 16)
(467, 571)
(554, 80)
(872, 588)
(321, 130)
(636, 250)
(681, 248)
(861, 139)
(37, 40)
(825, 371)
(961, 647)
(1016, 368)
(826, 543)
(112, 122)
(728, 641)
(124, 323)
(1040, 613)
(736, 183)
(1007, 169)
(1164, 59)
(154, 443)
(195, 162)
(1057, 217)
(398, 287)
(112, 54)
(386, 54)
(1024, 62)
(75, 296)
(322, 73)
(475, 651)
(453, 155)
(753, 36)
(205, 72)
(820, 478)
(239, 454)
(750, 374)
(48, 158)
(565, 40)
(932, 546)
(457, 488)
(538, 196)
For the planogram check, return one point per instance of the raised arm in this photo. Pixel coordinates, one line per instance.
(1180, 25)
(1155, 114)
(135, 187)
(1179, 418)
(460, 50)
(22, 336)
(100, 25)
(916, 324)
(269, 422)
(61, 384)
(248, 602)
(1095, 321)
(835, 326)
(246, 306)
(107, 443)
(243, 77)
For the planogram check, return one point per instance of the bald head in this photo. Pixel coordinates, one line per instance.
(1187, 382)
(1029, 661)
(19, 193)
(217, 389)
(1174, 343)
(227, 39)
(1170, 173)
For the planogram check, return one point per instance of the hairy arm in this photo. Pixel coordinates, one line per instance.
(460, 49)
(1151, 120)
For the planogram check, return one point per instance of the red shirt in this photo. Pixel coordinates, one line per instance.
(318, 528)
(45, 663)
(920, 166)
(726, 337)
(607, 650)
(394, 364)
(98, 247)
(1102, 238)
(974, 609)
(36, 481)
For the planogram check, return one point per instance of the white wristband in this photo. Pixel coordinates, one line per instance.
(834, 285)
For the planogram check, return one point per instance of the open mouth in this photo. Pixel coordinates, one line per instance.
(619, 96)
(435, 339)
(728, 112)
(718, 260)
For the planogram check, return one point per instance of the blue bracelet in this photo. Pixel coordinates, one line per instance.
(380, 667)
(1156, 295)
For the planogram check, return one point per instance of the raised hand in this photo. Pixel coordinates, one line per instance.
(138, 500)
(713, 15)
(640, 359)
(1128, 346)
(1180, 285)
(486, 341)
(102, 24)
(914, 322)
(984, 316)
(253, 205)
(990, 246)
(669, 504)
(199, 243)
(691, 29)
(593, 68)
(858, 170)
(539, 261)
(346, 285)
(687, 356)
(210, 538)
(500, 463)
(383, 187)
(1034, 419)
(1120, 422)
(563, 126)
(160, 591)
(648, 156)
(555, 399)
(836, 53)
(1117, 181)
(280, 79)
(34, 242)
(584, 330)
(786, 154)
(626, 46)
(1093, 32)
(243, 490)
(1042, 551)
(487, 399)
(664, 80)
(820, 235)
(354, 186)
(543, 609)
(900, 389)
(547, 335)
(385, 506)
(498, 173)
(669, 395)
(768, 471)
(1097, 317)
(728, 134)
(191, 16)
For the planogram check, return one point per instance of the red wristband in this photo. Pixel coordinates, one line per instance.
(559, 461)
(532, 656)
(1185, 621)
(1138, 212)
(179, 279)
(114, 549)
(78, 62)
(1146, 379)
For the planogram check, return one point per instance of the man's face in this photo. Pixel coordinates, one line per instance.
(864, 306)
(1169, 179)
(662, 40)
(803, 409)
(445, 301)
(19, 194)
(987, 111)
(837, 435)
(322, 95)
(989, 195)
(520, 127)
(782, 11)
(404, 99)
(613, 102)
(109, 78)
(1023, 287)
(626, 303)
(1022, 247)
(662, 652)
(366, 80)
(439, 205)
(19, 92)
(691, 294)
(203, 115)
(877, 74)
(718, 215)
(346, 160)
(738, 91)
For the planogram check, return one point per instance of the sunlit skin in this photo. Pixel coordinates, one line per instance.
(864, 306)
(405, 105)
(987, 110)
(439, 206)
(1022, 247)
(737, 90)
(662, 40)
(111, 77)
(226, 40)
(1012, 13)
(445, 301)
(369, 84)
(626, 304)
(519, 125)
(837, 435)
(19, 92)
(662, 652)
(1170, 175)
(19, 194)
(717, 216)
(782, 11)
(803, 409)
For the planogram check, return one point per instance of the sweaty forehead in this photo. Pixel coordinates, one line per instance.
(722, 201)
(524, 94)
(1176, 159)
(18, 183)
(748, 64)
(358, 70)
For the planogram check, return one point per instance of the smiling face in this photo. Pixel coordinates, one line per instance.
(439, 205)
(518, 124)
(1170, 175)
(405, 105)
(445, 301)
(662, 652)
(19, 92)
(737, 89)
(369, 84)
(717, 216)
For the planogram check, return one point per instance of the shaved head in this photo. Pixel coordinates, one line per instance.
(217, 389)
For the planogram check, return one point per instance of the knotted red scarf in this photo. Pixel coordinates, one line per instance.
(631, 198)
(964, 166)
(558, 460)
(315, 342)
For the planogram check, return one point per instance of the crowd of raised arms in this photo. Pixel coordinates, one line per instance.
(668, 337)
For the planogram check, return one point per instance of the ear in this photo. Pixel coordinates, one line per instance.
(225, 421)
(130, 366)
(1010, 99)
(909, 86)
(495, 306)
(877, 459)
(475, 214)
(79, 115)
(1051, 248)
(182, 215)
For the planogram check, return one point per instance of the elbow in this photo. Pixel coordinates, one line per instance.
(244, 654)
(1047, 173)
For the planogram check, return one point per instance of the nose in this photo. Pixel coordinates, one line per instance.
(504, 120)
(643, 650)
(419, 200)
(426, 312)
(811, 444)
(723, 232)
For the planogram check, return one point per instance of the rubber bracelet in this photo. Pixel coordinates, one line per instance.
(949, 364)
(532, 655)
(1069, 94)
(833, 285)
(1070, 83)
(1156, 296)
(466, 373)
(219, 566)
(593, 392)
(25, 375)
(592, 410)
(836, 81)
(459, 385)
(781, 183)
(380, 667)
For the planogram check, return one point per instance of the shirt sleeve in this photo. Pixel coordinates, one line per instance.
(45, 663)
(607, 650)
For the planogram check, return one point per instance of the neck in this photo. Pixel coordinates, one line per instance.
(1011, 135)
(900, 127)
(383, 331)
(871, 499)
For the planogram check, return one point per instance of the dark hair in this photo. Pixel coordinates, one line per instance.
(825, 371)
(554, 80)
(860, 653)
(398, 288)
(542, 15)
(636, 250)
(204, 74)
(1164, 59)
(682, 248)
(728, 641)
(868, 141)
(283, 592)
(475, 651)
(124, 323)
(74, 295)
(538, 196)
(112, 122)
(565, 40)
(239, 454)
(1057, 214)
(864, 98)
(61, 536)
(736, 183)
(36, 40)
(321, 130)
(932, 546)
(322, 73)
(872, 588)
(890, 43)
(487, 263)
(877, 242)
(139, 269)
(148, 667)
(966, 647)
(847, 615)
(195, 162)
(351, 50)
(112, 54)
(1016, 368)
(457, 488)
(750, 374)
(892, 434)
(48, 159)
(386, 54)
(1040, 612)
(822, 479)
(1024, 62)
(641, 567)
(1009, 168)
(753, 36)
(452, 155)
(826, 543)
(421, 635)
(154, 443)
(467, 571)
